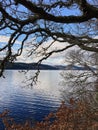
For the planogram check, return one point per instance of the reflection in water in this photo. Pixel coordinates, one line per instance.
(26, 103)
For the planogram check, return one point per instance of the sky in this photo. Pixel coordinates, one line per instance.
(55, 59)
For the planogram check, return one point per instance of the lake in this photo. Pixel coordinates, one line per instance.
(26, 103)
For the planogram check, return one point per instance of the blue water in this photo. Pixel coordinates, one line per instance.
(26, 103)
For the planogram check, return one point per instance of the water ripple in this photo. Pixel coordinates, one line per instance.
(26, 103)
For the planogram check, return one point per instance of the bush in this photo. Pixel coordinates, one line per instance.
(76, 116)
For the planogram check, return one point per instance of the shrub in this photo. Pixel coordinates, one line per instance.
(76, 116)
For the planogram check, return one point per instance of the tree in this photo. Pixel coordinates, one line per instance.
(47, 20)
(81, 84)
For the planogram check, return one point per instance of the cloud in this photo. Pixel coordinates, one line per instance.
(55, 59)
(5, 39)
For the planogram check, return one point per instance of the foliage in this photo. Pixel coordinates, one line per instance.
(77, 116)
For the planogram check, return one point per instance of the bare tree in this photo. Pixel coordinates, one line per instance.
(47, 20)
(81, 84)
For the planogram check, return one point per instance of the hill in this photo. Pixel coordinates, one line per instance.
(34, 66)
(29, 66)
